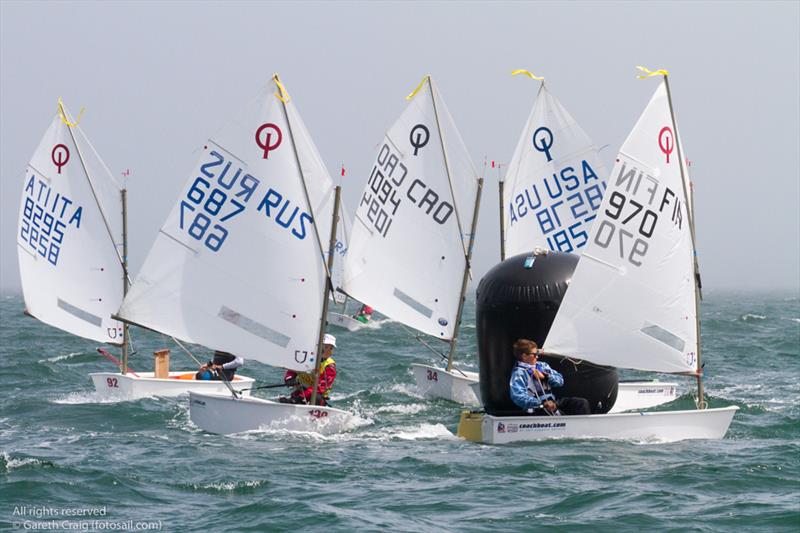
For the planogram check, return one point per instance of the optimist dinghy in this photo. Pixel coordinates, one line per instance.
(633, 300)
(240, 264)
(413, 233)
(72, 250)
(554, 189)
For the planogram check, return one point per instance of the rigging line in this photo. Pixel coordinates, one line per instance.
(302, 176)
(429, 347)
(447, 167)
(91, 188)
(221, 374)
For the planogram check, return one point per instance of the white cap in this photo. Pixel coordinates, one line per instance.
(329, 339)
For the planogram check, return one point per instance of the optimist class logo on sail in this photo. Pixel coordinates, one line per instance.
(47, 216)
(223, 191)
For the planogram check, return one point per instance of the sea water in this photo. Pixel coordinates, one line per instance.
(69, 458)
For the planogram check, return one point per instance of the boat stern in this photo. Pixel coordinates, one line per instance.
(470, 426)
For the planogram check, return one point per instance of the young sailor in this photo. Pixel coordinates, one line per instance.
(303, 382)
(364, 314)
(531, 382)
(224, 364)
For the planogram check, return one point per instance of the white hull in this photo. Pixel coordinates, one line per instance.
(343, 321)
(663, 426)
(224, 415)
(130, 387)
(465, 389)
(633, 395)
(454, 386)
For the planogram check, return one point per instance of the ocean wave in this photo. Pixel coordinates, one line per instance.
(406, 389)
(750, 316)
(9, 463)
(378, 324)
(79, 398)
(60, 357)
(225, 486)
(425, 431)
(405, 409)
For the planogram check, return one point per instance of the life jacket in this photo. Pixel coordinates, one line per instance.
(307, 379)
(537, 387)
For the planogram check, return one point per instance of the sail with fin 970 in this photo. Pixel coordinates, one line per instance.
(631, 302)
(407, 252)
(70, 225)
(238, 265)
(554, 183)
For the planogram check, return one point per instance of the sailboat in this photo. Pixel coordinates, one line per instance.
(633, 300)
(414, 230)
(72, 250)
(242, 263)
(339, 315)
(552, 189)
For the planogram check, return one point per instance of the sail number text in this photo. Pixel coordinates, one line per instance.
(564, 205)
(629, 224)
(221, 193)
(389, 185)
(44, 219)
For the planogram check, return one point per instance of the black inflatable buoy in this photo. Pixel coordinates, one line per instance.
(519, 298)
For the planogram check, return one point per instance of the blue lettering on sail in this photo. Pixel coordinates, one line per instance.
(220, 193)
(46, 218)
(563, 203)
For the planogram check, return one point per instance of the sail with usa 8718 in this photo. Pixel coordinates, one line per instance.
(222, 191)
(568, 192)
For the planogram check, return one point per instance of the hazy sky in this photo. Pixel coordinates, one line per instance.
(158, 78)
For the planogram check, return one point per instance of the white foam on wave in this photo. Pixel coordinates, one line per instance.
(228, 486)
(19, 462)
(425, 431)
(403, 408)
(750, 316)
(79, 398)
(795, 320)
(406, 389)
(60, 357)
(378, 324)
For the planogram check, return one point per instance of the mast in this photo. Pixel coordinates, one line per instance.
(125, 280)
(468, 251)
(284, 98)
(701, 402)
(500, 187)
(70, 125)
(446, 162)
(465, 279)
(326, 294)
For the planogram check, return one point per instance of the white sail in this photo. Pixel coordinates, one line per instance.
(239, 265)
(554, 183)
(340, 249)
(70, 225)
(406, 256)
(631, 302)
